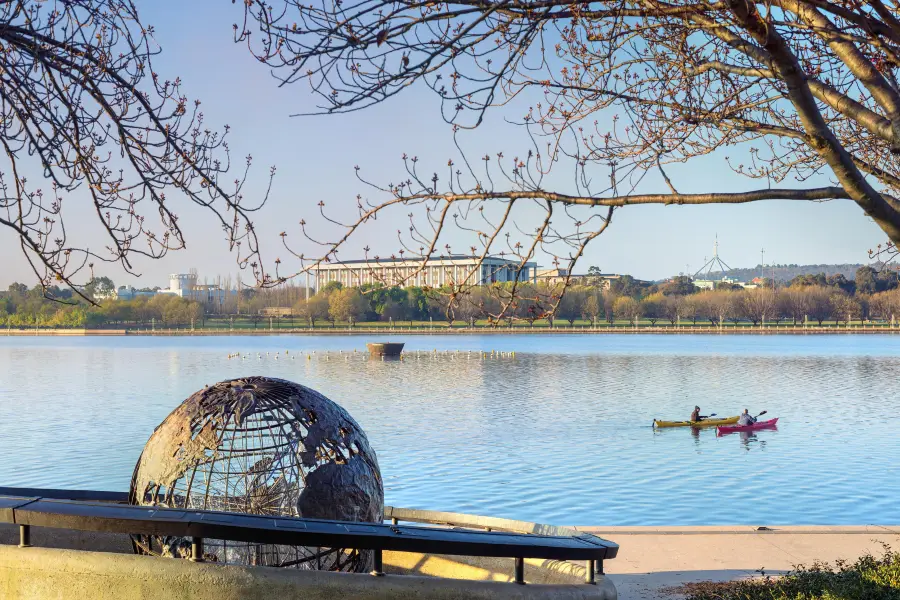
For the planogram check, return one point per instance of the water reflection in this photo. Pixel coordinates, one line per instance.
(557, 434)
(749, 439)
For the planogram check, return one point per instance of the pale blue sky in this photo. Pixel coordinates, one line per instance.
(315, 157)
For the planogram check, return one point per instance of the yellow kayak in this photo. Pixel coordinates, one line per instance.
(703, 423)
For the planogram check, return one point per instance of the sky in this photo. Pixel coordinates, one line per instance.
(315, 158)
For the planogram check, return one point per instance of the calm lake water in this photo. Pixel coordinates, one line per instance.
(560, 434)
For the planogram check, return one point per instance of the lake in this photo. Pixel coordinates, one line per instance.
(560, 434)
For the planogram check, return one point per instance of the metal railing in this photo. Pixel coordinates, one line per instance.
(109, 512)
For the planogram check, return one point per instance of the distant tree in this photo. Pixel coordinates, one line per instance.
(445, 307)
(99, 287)
(706, 306)
(609, 302)
(651, 307)
(669, 306)
(331, 286)
(392, 310)
(796, 301)
(468, 307)
(885, 305)
(866, 281)
(871, 281)
(782, 309)
(819, 303)
(571, 305)
(842, 283)
(735, 305)
(591, 308)
(845, 308)
(809, 279)
(680, 285)
(347, 305)
(314, 309)
(17, 289)
(758, 305)
(626, 285)
(593, 271)
(716, 306)
(627, 308)
(416, 304)
(689, 308)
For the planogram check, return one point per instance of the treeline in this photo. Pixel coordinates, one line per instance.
(819, 298)
(785, 273)
(797, 303)
(23, 307)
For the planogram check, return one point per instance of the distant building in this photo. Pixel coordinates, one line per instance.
(557, 275)
(709, 284)
(127, 292)
(185, 286)
(438, 271)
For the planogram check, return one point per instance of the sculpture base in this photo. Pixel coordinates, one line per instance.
(385, 348)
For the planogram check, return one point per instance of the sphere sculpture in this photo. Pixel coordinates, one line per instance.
(264, 446)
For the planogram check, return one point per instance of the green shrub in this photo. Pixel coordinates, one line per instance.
(869, 578)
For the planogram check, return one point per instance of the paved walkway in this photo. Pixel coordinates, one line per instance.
(652, 559)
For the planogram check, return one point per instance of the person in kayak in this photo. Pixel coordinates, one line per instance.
(746, 418)
(695, 416)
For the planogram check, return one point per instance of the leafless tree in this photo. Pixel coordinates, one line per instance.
(758, 304)
(670, 308)
(885, 305)
(819, 303)
(617, 89)
(690, 308)
(87, 125)
(796, 302)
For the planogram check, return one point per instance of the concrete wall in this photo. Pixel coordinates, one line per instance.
(44, 573)
(64, 564)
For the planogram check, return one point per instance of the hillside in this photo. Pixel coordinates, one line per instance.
(784, 273)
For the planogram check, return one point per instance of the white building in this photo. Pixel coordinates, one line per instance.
(437, 272)
(185, 285)
(127, 292)
(709, 284)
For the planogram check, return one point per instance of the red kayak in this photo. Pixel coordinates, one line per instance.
(758, 425)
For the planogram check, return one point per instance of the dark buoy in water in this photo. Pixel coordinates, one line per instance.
(385, 348)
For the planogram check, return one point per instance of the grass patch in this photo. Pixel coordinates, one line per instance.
(868, 578)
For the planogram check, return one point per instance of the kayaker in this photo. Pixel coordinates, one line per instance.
(746, 418)
(695, 416)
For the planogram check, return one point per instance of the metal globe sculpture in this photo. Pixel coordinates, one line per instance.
(263, 446)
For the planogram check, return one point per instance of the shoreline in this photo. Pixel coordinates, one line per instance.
(654, 562)
(344, 331)
(613, 530)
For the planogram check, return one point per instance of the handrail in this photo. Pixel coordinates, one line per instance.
(414, 515)
(53, 494)
(104, 512)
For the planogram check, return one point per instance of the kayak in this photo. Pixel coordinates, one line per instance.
(757, 425)
(703, 423)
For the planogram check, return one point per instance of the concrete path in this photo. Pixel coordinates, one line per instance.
(653, 559)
